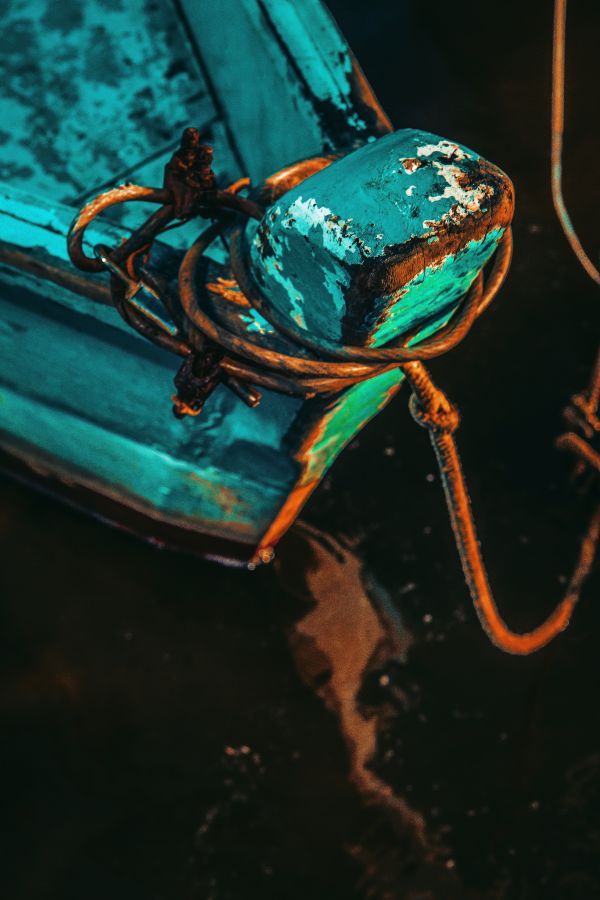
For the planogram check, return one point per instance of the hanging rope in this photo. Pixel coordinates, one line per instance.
(213, 353)
(431, 409)
(309, 375)
(558, 124)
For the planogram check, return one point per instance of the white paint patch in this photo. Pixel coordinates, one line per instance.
(338, 236)
(467, 200)
(410, 190)
(446, 148)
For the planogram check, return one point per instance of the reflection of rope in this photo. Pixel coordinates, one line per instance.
(558, 123)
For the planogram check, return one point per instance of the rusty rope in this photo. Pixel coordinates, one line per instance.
(346, 364)
(431, 408)
(557, 132)
(213, 353)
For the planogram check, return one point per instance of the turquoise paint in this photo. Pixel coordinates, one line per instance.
(256, 324)
(360, 404)
(408, 186)
(206, 499)
(97, 400)
(32, 222)
(281, 72)
(443, 286)
(91, 90)
(98, 94)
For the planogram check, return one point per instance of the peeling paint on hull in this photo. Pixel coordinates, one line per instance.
(106, 92)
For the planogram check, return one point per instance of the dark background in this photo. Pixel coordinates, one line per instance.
(126, 672)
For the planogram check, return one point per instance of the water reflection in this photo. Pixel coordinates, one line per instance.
(157, 742)
(350, 632)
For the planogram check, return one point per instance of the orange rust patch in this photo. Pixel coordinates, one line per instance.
(287, 514)
(228, 289)
(411, 164)
(406, 261)
(225, 498)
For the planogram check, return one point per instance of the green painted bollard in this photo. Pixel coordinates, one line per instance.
(381, 242)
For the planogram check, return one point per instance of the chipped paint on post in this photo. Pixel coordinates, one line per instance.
(420, 219)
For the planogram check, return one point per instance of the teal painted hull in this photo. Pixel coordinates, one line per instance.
(84, 401)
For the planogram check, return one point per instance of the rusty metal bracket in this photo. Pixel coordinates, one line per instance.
(189, 177)
(198, 376)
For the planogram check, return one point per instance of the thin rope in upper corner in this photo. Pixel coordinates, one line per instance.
(557, 132)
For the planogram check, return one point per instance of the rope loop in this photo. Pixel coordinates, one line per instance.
(442, 417)
(213, 354)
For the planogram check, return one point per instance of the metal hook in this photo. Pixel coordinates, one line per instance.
(102, 254)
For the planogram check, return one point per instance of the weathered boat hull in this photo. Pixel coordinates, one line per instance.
(84, 401)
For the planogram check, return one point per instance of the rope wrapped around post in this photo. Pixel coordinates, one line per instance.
(213, 353)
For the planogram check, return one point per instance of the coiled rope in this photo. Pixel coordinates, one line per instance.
(327, 368)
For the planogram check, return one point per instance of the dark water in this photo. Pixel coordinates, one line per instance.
(174, 730)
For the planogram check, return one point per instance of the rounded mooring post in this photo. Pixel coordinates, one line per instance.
(382, 240)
